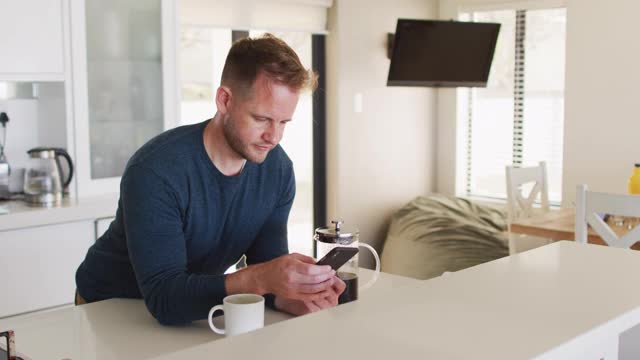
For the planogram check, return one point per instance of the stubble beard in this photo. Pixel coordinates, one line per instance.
(236, 144)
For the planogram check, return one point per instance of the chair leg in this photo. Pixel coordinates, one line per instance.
(512, 245)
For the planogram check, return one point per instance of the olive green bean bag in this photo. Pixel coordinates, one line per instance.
(437, 233)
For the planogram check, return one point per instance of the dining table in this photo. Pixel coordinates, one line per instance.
(559, 224)
(531, 305)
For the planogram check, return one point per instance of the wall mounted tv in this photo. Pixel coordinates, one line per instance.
(438, 53)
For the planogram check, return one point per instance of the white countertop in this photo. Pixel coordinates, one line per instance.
(124, 329)
(22, 215)
(112, 329)
(526, 306)
(547, 303)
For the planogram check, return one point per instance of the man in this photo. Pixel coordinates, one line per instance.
(194, 199)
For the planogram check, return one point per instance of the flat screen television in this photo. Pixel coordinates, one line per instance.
(438, 53)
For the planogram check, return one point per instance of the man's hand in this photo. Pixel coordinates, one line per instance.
(292, 276)
(296, 307)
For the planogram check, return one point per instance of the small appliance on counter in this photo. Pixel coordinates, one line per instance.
(44, 183)
(5, 169)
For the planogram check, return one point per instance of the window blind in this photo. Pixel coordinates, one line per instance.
(518, 118)
(518, 89)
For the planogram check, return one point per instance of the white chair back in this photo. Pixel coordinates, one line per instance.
(520, 205)
(589, 207)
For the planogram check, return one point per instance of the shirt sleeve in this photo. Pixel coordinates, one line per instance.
(272, 240)
(157, 250)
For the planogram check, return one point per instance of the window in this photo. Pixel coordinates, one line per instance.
(203, 52)
(518, 118)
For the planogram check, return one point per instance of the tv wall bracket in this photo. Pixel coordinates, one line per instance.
(390, 38)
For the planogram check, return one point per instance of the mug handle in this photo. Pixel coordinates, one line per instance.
(377, 273)
(213, 327)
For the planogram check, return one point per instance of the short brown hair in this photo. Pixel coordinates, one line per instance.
(248, 57)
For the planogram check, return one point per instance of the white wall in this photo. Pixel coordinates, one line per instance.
(601, 122)
(382, 157)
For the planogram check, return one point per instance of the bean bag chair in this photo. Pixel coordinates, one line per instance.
(438, 233)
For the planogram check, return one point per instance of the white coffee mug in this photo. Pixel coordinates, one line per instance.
(242, 313)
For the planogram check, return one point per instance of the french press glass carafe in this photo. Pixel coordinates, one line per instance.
(329, 237)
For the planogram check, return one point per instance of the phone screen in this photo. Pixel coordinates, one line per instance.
(337, 257)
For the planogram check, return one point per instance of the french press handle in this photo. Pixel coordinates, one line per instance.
(376, 273)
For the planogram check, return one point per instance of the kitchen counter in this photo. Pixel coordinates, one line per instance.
(559, 301)
(111, 329)
(22, 215)
(124, 329)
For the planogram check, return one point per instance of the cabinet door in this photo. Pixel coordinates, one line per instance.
(31, 40)
(124, 92)
(38, 265)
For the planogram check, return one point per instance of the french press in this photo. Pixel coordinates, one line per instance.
(329, 237)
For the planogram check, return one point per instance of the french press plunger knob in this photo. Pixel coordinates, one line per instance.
(337, 223)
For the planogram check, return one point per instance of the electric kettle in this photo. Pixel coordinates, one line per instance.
(44, 184)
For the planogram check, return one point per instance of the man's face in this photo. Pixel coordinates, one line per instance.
(254, 124)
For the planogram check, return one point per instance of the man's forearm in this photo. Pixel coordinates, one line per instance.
(245, 281)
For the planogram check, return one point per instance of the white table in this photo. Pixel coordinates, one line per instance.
(561, 301)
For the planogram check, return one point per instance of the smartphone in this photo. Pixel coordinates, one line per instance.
(338, 256)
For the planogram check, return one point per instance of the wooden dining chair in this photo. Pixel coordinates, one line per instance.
(521, 205)
(592, 206)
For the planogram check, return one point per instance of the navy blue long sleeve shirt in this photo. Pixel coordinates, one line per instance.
(181, 223)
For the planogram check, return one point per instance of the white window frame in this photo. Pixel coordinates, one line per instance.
(460, 114)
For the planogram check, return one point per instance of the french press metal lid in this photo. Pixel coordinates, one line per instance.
(336, 234)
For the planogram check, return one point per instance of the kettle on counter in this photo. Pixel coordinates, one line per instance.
(44, 183)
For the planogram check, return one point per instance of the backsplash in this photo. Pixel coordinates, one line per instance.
(33, 121)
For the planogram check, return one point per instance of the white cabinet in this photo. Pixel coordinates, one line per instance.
(31, 40)
(38, 265)
(116, 61)
(124, 86)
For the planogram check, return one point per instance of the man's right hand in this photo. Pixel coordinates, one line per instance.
(292, 276)
(297, 277)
